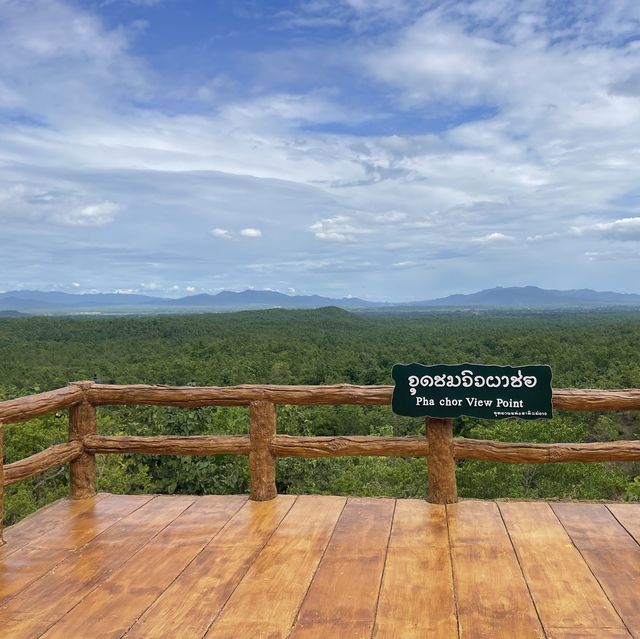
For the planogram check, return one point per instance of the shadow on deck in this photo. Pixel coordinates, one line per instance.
(325, 567)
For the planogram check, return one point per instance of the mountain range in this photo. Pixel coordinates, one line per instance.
(55, 301)
(534, 297)
(45, 302)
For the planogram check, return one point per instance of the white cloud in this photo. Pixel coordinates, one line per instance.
(390, 216)
(358, 15)
(541, 237)
(625, 229)
(151, 286)
(75, 284)
(492, 238)
(90, 215)
(223, 233)
(251, 232)
(61, 206)
(613, 256)
(340, 228)
(505, 115)
(190, 289)
(76, 67)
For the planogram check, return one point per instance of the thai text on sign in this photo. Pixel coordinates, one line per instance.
(475, 390)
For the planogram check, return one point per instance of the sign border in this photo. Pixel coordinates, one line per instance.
(463, 414)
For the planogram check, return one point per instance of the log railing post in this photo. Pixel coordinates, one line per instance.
(262, 465)
(1, 482)
(82, 471)
(441, 465)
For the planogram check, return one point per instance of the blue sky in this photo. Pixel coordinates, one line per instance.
(385, 149)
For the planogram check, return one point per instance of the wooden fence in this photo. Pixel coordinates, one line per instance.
(264, 445)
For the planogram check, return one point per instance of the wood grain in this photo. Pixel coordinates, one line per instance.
(36, 558)
(587, 633)
(417, 523)
(190, 605)
(266, 601)
(615, 564)
(262, 465)
(596, 400)
(20, 569)
(1, 485)
(243, 395)
(51, 457)
(82, 469)
(563, 398)
(566, 593)
(288, 446)
(170, 567)
(59, 590)
(30, 406)
(74, 532)
(120, 599)
(345, 446)
(629, 516)
(492, 596)
(441, 466)
(416, 597)
(358, 629)
(22, 628)
(342, 446)
(169, 444)
(463, 448)
(527, 453)
(346, 584)
(51, 521)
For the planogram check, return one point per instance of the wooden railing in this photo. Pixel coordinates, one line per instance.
(264, 445)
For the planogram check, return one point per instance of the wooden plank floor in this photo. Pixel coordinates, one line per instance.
(321, 567)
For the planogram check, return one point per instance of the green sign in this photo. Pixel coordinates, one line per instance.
(475, 390)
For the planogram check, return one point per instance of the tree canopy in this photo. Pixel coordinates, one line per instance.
(325, 346)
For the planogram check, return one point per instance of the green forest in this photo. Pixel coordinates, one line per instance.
(325, 346)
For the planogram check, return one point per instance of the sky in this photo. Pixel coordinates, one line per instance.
(385, 149)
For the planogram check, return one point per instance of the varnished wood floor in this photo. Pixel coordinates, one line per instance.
(321, 567)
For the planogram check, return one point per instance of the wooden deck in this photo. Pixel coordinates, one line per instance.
(321, 567)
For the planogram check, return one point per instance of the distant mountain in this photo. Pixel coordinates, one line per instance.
(267, 299)
(35, 302)
(534, 297)
(54, 301)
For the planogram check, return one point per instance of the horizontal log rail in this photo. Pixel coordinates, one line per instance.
(571, 399)
(279, 446)
(367, 446)
(25, 408)
(51, 457)
(31, 406)
(243, 395)
(526, 453)
(263, 445)
(352, 446)
(169, 444)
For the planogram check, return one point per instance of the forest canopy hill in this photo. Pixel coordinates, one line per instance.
(324, 346)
